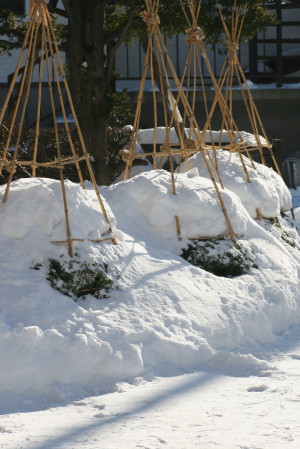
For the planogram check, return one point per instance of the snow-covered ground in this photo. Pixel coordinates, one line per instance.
(175, 357)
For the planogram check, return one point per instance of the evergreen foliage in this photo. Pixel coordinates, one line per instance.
(218, 257)
(77, 279)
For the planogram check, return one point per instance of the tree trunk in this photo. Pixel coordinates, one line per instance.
(86, 65)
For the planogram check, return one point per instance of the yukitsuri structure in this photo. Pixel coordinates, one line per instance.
(223, 100)
(232, 71)
(40, 44)
(197, 58)
(189, 142)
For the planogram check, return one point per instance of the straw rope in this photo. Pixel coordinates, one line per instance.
(194, 34)
(233, 48)
(150, 18)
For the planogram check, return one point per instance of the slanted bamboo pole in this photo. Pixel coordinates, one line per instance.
(52, 44)
(90, 170)
(29, 63)
(14, 78)
(38, 116)
(134, 137)
(233, 38)
(155, 106)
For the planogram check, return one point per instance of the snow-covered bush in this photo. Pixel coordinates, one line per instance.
(76, 278)
(219, 257)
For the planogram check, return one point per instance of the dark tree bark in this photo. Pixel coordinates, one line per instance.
(86, 66)
(91, 65)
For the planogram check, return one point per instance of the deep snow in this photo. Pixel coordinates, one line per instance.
(231, 342)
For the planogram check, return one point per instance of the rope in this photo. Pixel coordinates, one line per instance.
(150, 18)
(194, 34)
(39, 11)
(126, 155)
(232, 47)
(190, 144)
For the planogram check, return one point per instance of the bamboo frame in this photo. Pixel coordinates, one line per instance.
(232, 69)
(40, 29)
(187, 145)
(197, 52)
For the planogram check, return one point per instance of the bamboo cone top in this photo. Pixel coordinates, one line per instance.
(194, 34)
(39, 12)
(233, 38)
(151, 15)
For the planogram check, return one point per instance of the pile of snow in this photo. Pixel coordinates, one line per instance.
(168, 317)
(154, 207)
(266, 191)
(34, 215)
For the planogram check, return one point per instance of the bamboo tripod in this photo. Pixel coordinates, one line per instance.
(232, 69)
(40, 38)
(187, 144)
(193, 69)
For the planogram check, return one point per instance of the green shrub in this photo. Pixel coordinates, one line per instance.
(281, 227)
(219, 257)
(77, 279)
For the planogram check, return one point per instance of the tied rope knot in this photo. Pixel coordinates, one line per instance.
(190, 144)
(39, 11)
(194, 34)
(232, 48)
(126, 156)
(150, 18)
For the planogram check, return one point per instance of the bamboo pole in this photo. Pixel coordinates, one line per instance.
(155, 107)
(90, 170)
(136, 123)
(233, 38)
(13, 81)
(38, 116)
(51, 38)
(30, 61)
(19, 98)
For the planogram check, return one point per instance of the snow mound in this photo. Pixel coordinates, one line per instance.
(167, 318)
(196, 203)
(266, 191)
(34, 213)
